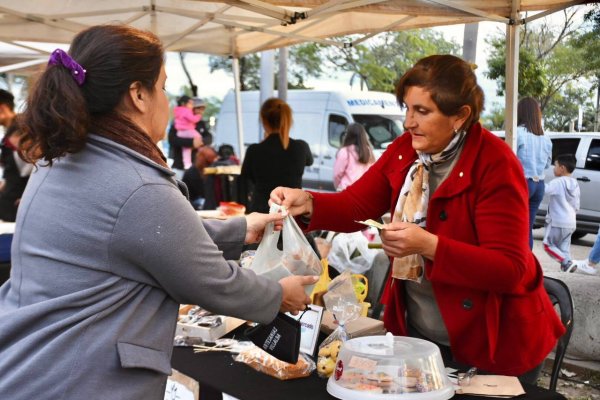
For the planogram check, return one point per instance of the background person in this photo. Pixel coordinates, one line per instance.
(457, 195)
(534, 150)
(590, 265)
(176, 144)
(353, 158)
(278, 160)
(185, 124)
(563, 204)
(202, 127)
(15, 170)
(197, 183)
(107, 245)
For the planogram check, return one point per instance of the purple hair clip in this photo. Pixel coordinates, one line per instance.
(60, 57)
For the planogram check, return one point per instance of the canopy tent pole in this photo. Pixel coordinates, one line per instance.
(238, 106)
(282, 83)
(512, 78)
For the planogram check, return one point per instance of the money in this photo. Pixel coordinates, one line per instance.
(370, 222)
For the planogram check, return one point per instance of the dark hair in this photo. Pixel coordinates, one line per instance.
(568, 161)
(529, 115)
(205, 156)
(183, 100)
(225, 151)
(59, 112)
(356, 135)
(7, 98)
(451, 83)
(276, 115)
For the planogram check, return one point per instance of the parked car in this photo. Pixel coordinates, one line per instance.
(586, 148)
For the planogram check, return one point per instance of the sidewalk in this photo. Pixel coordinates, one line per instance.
(573, 387)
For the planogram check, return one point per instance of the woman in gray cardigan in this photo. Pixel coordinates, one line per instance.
(107, 244)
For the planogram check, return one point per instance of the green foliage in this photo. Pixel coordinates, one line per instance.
(213, 105)
(494, 119)
(564, 108)
(303, 61)
(380, 61)
(556, 64)
(532, 78)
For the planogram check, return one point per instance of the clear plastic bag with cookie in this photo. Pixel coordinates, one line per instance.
(262, 361)
(341, 300)
(297, 257)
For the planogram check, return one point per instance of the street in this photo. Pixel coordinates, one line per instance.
(579, 250)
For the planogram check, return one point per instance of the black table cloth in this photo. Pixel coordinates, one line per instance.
(217, 372)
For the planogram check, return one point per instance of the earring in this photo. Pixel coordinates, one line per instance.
(455, 131)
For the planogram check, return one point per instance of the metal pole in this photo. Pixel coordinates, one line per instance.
(283, 82)
(470, 42)
(512, 82)
(267, 81)
(238, 107)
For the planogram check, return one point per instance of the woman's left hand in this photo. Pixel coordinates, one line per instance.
(401, 239)
(256, 223)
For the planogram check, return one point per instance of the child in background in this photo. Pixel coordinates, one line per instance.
(185, 124)
(563, 204)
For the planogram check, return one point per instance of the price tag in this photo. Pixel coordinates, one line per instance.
(181, 387)
(309, 328)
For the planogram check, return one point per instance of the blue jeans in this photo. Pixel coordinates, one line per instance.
(536, 194)
(595, 253)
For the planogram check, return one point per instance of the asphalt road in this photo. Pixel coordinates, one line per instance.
(580, 250)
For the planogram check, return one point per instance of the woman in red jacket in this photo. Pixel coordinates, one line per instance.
(463, 274)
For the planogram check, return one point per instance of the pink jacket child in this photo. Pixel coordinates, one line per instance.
(185, 124)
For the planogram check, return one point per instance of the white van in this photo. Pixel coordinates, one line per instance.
(320, 118)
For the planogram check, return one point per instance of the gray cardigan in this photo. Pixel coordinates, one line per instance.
(106, 247)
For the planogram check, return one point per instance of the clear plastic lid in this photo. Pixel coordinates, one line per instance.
(389, 367)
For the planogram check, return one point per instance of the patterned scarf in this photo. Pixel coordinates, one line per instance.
(413, 201)
(121, 130)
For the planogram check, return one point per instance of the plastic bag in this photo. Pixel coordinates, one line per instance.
(296, 258)
(351, 251)
(266, 363)
(341, 300)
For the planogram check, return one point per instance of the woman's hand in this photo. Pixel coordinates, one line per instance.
(296, 201)
(401, 239)
(294, 297)
(256, 223)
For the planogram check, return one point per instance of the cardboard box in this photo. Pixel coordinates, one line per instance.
(363, 326)
(208, 334)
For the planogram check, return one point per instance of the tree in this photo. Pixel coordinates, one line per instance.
(381, 60)
(494, 119)
(249, 69)
(304, 61)
(555, 62)
(564, 109)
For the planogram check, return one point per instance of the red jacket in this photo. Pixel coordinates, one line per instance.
(487, 282)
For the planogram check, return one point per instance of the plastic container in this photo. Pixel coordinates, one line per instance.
(389, 367)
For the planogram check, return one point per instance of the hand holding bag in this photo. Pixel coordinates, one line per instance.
(296, 258)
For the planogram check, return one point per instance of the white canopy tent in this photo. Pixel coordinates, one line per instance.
(238, 27)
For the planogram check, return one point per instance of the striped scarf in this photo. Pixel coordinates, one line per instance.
(413, 201)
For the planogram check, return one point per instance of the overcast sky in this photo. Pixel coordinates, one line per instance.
(218, 83)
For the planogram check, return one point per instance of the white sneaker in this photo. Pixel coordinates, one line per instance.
(584, 267)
